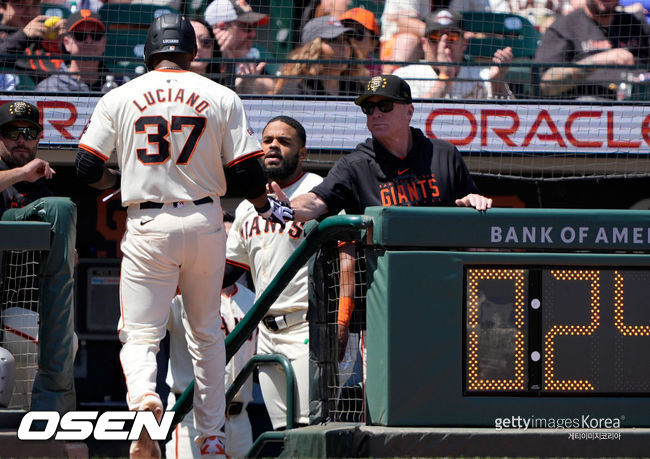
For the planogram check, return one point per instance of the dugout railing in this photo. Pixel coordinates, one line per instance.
(332, 229)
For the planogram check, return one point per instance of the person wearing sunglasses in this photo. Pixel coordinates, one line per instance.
(21, 171)
(234, 24)
(322, 63)
(23, 31)
(444, 43)
(364, 35)
(85, 37)
(26, 196)
(398, 166)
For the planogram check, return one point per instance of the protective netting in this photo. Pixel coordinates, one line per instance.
(340, 371)
(19, 314)
(543, 109)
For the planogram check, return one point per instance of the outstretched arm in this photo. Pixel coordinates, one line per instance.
(308, 206)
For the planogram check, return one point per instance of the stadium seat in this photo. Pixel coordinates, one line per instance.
(124, 50)
(24, 82)
(50, 9)
(129, 17)
(493, 31)
(195, 7)
(279, 37)
(498, 30)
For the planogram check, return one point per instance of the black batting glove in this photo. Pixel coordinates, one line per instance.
(275, 211)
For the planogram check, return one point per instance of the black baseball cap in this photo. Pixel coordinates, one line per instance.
(84, 16)
(443, 19)
(19, 111)
(390, 86)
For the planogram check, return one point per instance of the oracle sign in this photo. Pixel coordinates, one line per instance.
(490, 128)
(554, 128)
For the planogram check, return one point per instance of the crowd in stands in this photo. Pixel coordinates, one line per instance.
(342, 43)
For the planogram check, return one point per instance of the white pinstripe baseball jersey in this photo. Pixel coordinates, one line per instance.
(264, 247)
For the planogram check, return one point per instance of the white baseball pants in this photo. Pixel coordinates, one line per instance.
(165, 248)
(293, 342)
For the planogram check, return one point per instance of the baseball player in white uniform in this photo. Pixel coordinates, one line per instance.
(236, 301)
(264, 248)
(172, 130)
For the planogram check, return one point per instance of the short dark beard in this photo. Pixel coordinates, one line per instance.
(13, 162)
(286, 168)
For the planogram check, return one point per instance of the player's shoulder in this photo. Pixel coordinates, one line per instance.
(310, 179)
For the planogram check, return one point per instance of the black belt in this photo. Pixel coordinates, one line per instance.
(158, 205)
(234, 408)
(270, 323)
(277, 323)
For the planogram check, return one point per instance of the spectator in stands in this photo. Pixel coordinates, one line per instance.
(23, 31)
(323, 39)
(594, 35)
(364, 36)
(444, 42)
(541, 13)
(233, 24)
(25, 196)
(316, 8)
(402, 25)
(86, 37)
(208, 48)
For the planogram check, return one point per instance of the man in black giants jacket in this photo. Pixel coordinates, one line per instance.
(398, 166)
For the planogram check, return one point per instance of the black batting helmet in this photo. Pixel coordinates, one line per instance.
(169, 33)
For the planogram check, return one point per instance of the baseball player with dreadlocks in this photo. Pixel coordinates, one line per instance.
(172, 130)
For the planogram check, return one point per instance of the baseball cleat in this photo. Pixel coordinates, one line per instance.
(213, 447)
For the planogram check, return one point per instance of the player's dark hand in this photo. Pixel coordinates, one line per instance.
(343, 333)
(276, 211)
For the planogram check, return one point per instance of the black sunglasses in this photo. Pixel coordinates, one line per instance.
(13, 132)
(81, 36)
(384, 106)
(358, 34)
